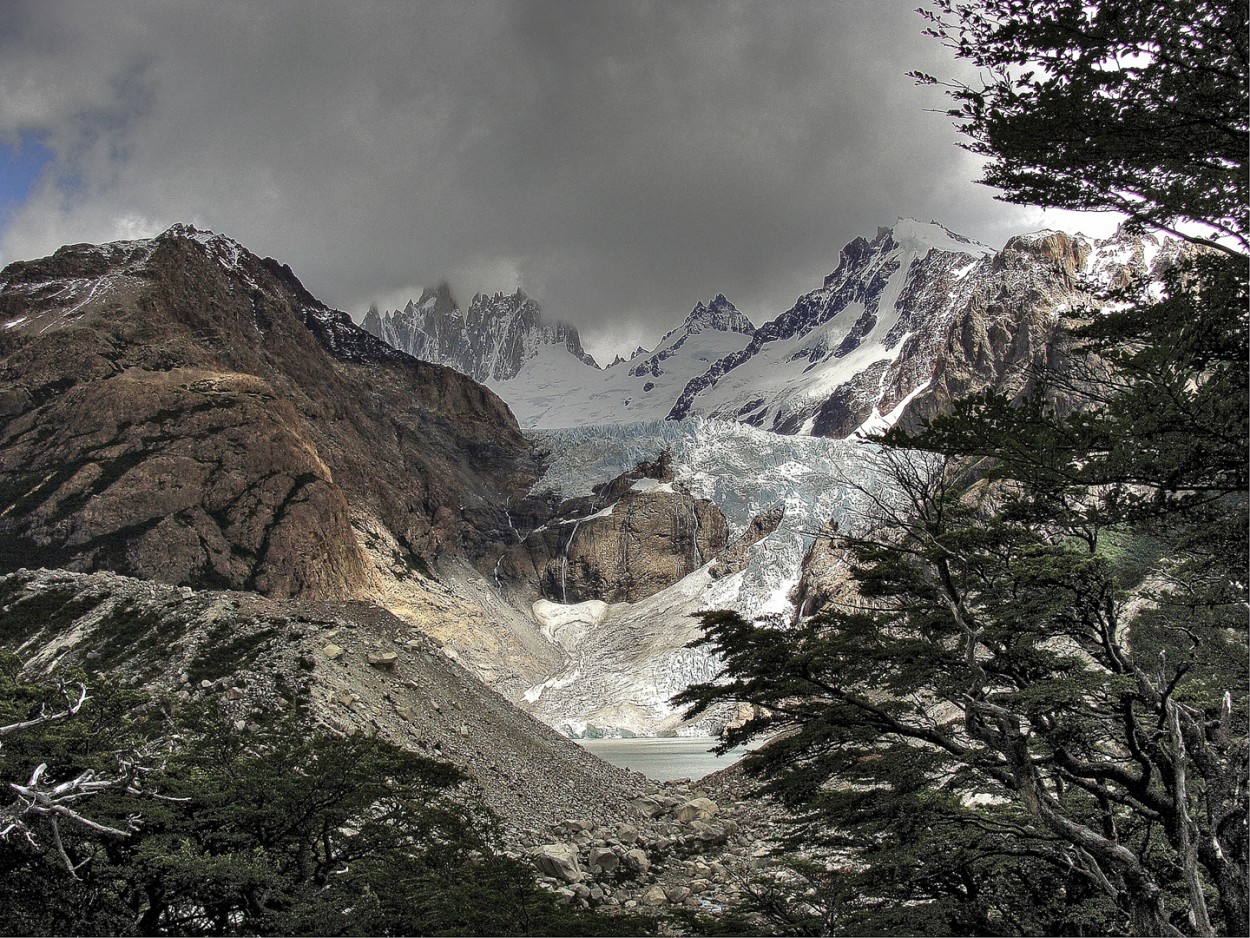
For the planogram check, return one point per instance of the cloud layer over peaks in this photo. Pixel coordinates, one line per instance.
(618, 160)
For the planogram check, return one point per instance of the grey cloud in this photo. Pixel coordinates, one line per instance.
(621, 160)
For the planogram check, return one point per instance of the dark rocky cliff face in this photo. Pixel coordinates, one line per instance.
(181, 410)
(638, 534)
(648, 542)
(492, 340)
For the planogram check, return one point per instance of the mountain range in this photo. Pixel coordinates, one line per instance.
(905, 323)
(178, 409)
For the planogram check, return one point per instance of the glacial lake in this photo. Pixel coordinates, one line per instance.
(664, 758)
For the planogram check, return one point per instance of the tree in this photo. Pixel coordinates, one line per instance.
(990, 703)
(1139, 108)
(279, 831)
(74, 766)
(1030, 716)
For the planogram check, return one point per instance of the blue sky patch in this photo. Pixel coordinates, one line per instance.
(20, 166)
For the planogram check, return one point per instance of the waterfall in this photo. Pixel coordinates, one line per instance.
(507, 513)
(498, 564)
(564, 562)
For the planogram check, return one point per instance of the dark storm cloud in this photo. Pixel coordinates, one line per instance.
(619, 160)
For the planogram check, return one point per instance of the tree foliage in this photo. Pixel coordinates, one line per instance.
(280, 831)
(1134, 107)
(1030, 714)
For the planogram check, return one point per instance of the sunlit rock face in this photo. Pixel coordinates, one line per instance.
(180, 409)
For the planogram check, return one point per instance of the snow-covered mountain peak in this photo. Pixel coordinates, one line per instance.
(438, 300)
(921, 237)
(184, 230)
(1128, 255)
(719, 314)
(490, 341)
(222, 248)
(912, 318)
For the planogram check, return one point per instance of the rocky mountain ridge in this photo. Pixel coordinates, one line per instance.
(906, 323)
(180, 409)
(492, 341)
(597, 835)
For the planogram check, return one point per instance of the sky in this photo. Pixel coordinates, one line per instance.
(618, 160)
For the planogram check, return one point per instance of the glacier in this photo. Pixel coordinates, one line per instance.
(624, 661)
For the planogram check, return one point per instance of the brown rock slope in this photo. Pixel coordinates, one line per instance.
(636, 535)
(182, 410)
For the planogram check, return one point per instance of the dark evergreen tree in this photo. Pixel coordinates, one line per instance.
(279, 831)
(1031, 717)
(1139, 108)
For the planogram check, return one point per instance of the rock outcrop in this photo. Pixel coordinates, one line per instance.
(642, 543)
(636, 535)
(180, 409)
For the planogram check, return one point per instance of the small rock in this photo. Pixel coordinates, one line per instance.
(386, 659)
(604, 860)
(697, 809)
(655, 896)
(650, 809)
(637, 861)
(404, 713)
(677, 894)
(710, 834)
(205, 684)
(627, 834)
(332, 651)
(234, 693)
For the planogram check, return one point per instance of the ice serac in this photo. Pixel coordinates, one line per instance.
(623, 660)
(491, 341)
(182, 410)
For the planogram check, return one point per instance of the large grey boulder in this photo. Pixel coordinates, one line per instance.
(558, 861)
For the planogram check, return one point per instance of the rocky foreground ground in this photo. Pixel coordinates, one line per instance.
(598, 835)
